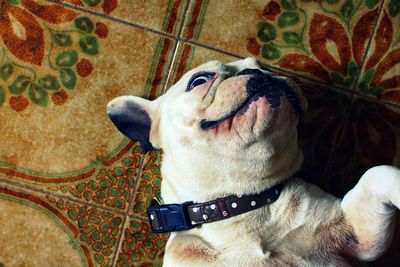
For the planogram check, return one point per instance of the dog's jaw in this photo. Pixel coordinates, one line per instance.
(246, 153)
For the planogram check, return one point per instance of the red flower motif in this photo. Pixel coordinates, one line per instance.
(29, 48)
(19, 103)
(324, 29)
(84, 68)
(271, 10)
(101, 30)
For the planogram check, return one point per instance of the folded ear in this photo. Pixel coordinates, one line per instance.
(133, 116)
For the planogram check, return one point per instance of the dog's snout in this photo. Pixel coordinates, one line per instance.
(253, 72)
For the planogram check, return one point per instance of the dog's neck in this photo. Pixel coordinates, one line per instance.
(200, 181)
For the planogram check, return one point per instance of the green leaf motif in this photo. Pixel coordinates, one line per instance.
(67, 78)
(38, 95)
(49, 82)
(364, 87)
(63, 40)
(376, 90)
(84, 24)
(369, 76)
(347, 9)
(266, 32)
(336, 77)
(2, 96)
(270, 52)
(288, 18)
(89, 45)
(352, 69)
(13, 2)
(6, 71)
(332, 2)
(394, 7)
(19, 85)
(292, 38)
(371, 3)
(67, 58)
(289, 4)
(91, 2)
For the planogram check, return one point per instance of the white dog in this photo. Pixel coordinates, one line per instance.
(229, 141)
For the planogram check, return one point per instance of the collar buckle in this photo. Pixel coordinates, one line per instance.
(169, 218)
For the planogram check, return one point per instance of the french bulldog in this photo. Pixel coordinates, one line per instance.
(229, 141)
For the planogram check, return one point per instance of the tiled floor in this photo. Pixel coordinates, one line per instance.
(73, 191)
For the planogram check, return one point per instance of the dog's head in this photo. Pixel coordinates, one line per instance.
(234, 122)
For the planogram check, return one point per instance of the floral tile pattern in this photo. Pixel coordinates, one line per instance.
(140, 247)
(70, 182)
(324, 40)
(86, 236)
(149, 184)
(380, 78)
(167, 17)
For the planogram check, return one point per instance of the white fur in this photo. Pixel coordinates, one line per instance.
(304, 227)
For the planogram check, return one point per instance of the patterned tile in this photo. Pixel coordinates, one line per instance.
(149, 183)
(166, 17)
(380, 78)
(139, 247)
(325, 40)
(37, 229)
(55, 131)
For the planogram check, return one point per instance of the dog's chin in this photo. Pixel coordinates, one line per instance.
(252, 120)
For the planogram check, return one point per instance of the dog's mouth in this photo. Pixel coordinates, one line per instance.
(259, 85)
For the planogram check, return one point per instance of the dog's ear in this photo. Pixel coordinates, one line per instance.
(134, 117)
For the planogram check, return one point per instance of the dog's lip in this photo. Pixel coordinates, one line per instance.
(209, 124)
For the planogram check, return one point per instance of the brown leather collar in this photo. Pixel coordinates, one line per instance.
(177, 217)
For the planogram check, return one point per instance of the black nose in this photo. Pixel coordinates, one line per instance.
(254, 72)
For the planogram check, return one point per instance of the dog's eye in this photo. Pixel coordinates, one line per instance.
(199, 78)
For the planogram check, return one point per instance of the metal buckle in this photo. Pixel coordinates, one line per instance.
(169, 218)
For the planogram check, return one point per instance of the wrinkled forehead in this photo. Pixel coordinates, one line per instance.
(219, 67)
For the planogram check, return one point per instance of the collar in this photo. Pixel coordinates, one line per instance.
(166, 218)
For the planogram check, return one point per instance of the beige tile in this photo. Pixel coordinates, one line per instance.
(65, 127)
(162, 15)
(42, 230)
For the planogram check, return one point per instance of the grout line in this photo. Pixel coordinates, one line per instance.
(376, 100)
(176, 48)
(197, 44)
(353, 96)
(190, 42)
(44, 192)
(170, 67)
(369, 46)
(119, 242)
(336, 143)
(194, 43)
(134, 216)
(185, 13)
(114, 19)
(120, 238)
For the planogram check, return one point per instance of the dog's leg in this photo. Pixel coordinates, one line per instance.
(369, 207)
(189, 250)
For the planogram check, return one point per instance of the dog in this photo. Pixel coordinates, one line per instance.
(229, 195)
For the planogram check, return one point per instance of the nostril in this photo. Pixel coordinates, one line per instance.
(254, 72)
